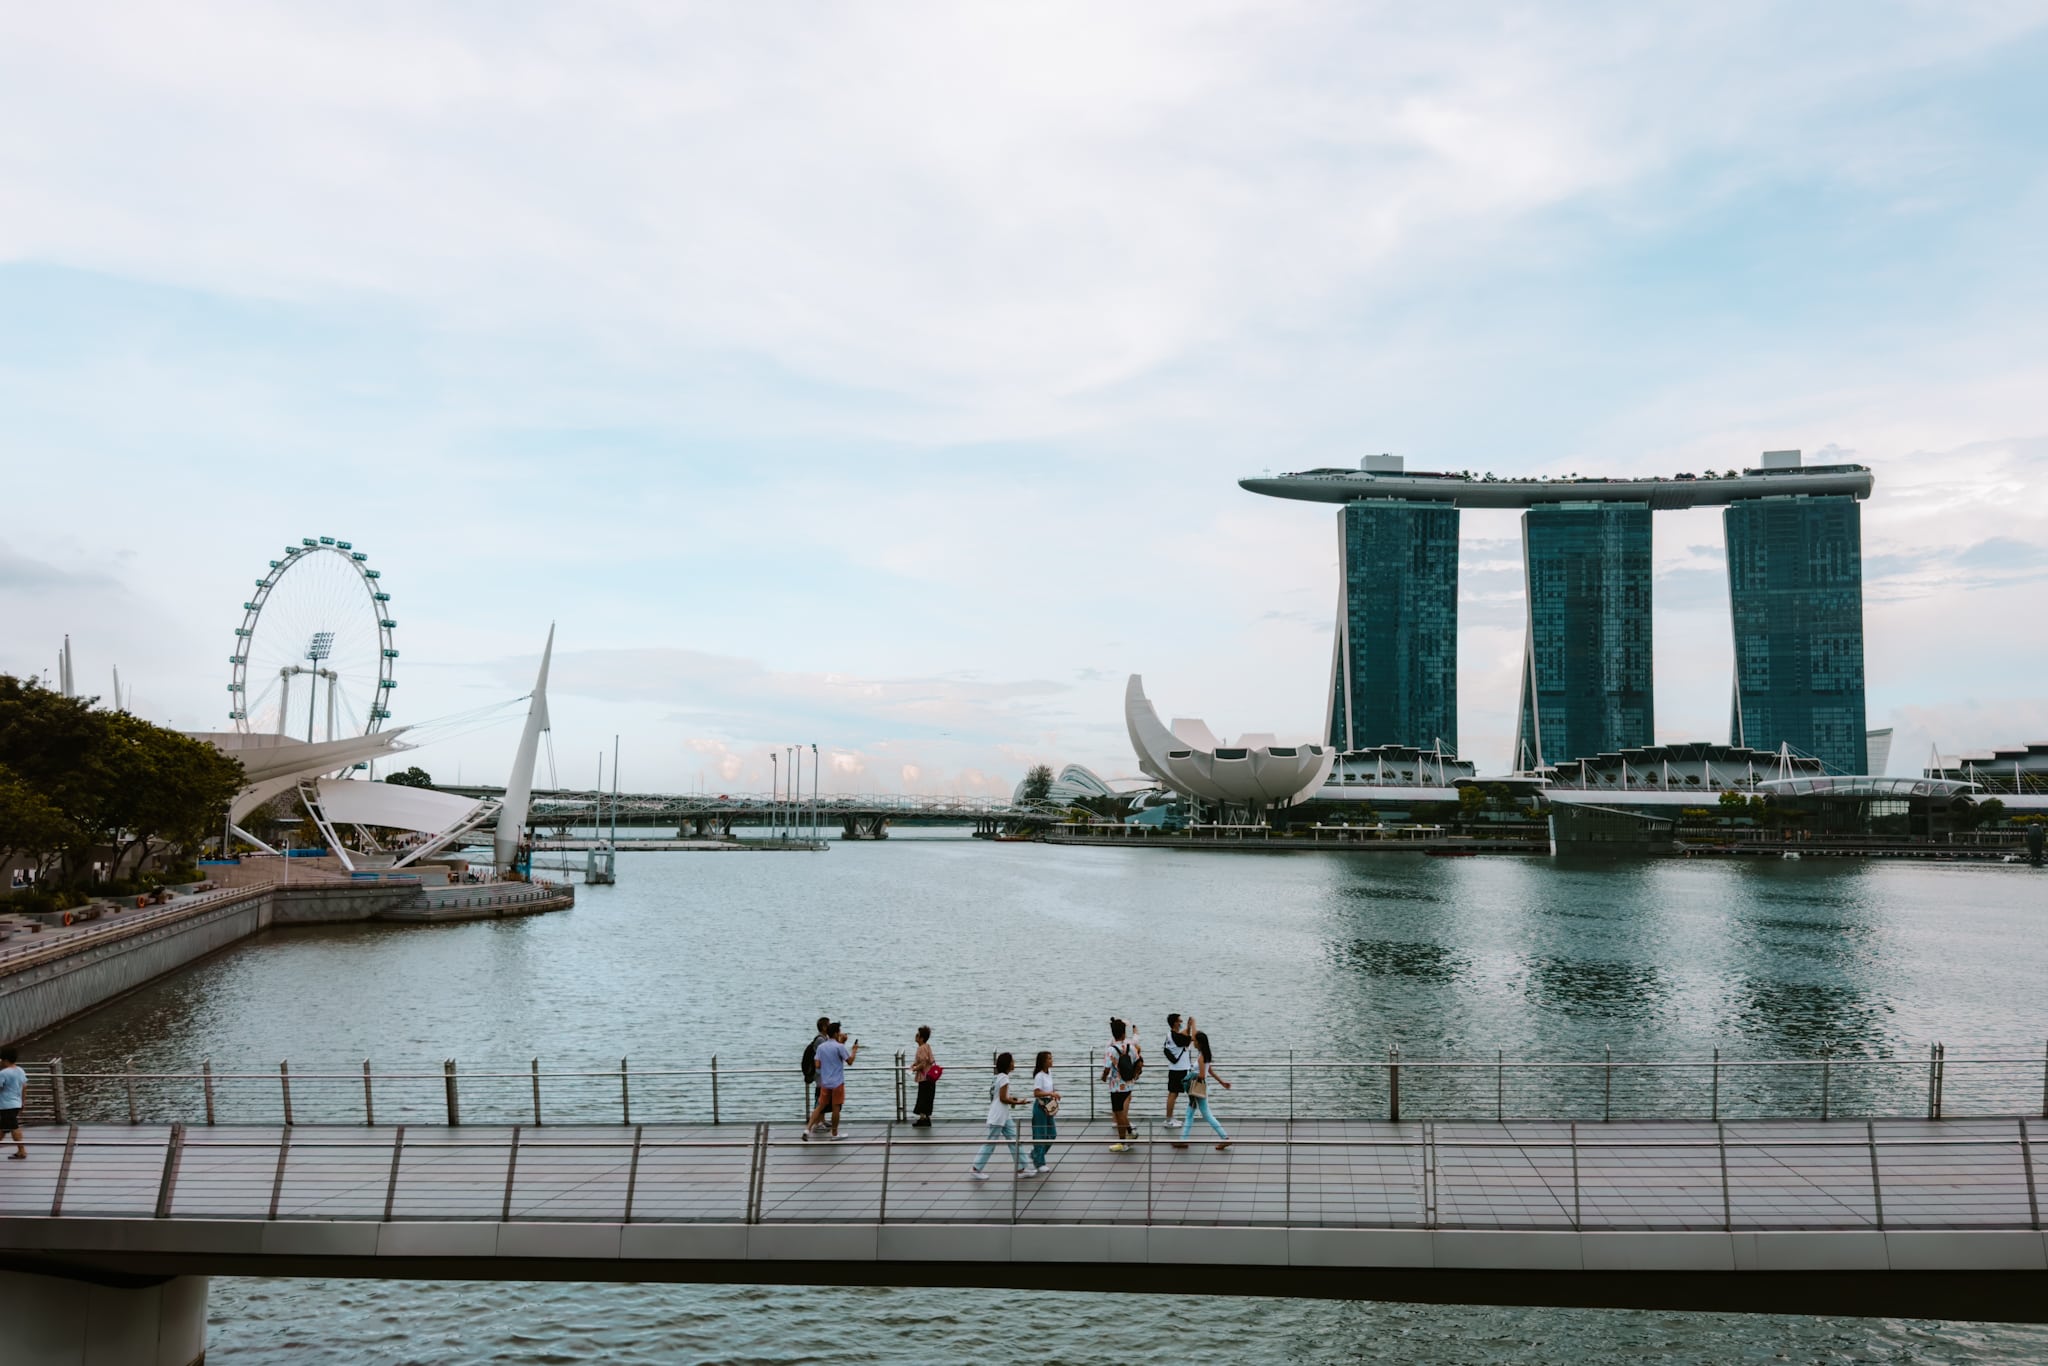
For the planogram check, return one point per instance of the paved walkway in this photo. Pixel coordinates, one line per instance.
(1775, 1176)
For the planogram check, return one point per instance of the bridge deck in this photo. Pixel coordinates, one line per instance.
(1904, 1218)
(1665, 1176)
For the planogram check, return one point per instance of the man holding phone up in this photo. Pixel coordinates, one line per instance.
(833, 1058)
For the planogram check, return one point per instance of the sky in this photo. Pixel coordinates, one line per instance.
(878, 377)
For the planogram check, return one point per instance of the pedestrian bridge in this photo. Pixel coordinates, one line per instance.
(1901, 1217)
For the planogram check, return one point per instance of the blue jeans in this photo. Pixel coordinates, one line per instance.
(1200, 1105)
(1006, 1129)
(1044, 1131)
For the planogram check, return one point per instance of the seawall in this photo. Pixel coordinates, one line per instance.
(43, 985)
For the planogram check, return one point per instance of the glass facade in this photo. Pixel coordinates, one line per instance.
(1394, 678)
(1588, 685)
(1795, 584)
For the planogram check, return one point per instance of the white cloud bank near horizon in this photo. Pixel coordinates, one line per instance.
(879, 377)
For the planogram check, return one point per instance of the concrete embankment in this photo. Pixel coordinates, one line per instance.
(82, 967)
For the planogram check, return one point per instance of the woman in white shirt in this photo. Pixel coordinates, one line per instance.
(1000, 1125)
(1045, 1103)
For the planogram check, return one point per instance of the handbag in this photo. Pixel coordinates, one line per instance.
(1198, 1087)
(934, 1072)
(1049, 1104)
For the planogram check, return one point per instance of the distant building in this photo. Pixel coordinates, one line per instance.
(1394, 666)
(1587, 673)
(2020, 770)
(1794, 569)
(1795, 589)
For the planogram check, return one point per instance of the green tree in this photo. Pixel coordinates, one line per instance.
(31, 827)
(1038, 783)
(111, 778)
(412, 777)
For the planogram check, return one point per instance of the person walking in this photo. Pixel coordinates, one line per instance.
(1000, 1125)
(1045, 1103)
(834, 1057)
(924, 1070)
(1177, 1061)
(1122, 1061)
(13, 1081)
(1199, 1078)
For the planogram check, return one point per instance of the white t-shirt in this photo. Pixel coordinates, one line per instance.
(1042, 1083)
(1177, 1058)
(1109, 1057)
(998, 1113)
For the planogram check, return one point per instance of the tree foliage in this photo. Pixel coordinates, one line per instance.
(412, 777)
(1038, 783)
(74, 778)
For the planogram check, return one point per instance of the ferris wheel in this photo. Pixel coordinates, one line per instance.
(314, 654)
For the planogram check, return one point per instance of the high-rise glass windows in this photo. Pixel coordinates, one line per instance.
(1394, 679)
(1795, 584)
(1587, 678)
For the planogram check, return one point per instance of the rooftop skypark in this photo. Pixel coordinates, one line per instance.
(1383, 476)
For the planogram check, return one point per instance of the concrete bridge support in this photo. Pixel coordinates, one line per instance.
(56, 1321)
(864, 828)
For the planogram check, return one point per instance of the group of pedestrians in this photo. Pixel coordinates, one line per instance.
(1190, 1071)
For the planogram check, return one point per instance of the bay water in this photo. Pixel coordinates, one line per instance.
(1027, 946)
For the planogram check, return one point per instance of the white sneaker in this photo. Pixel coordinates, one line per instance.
(977, 1173)
(1026, 1173)
(838, 1138)
(1042, 1171)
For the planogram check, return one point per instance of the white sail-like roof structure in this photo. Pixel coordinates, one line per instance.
(1259, 774)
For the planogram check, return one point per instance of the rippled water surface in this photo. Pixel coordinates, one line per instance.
(1027, 946)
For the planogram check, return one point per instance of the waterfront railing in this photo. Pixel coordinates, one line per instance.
(1713, 1178)
(1389, 1086)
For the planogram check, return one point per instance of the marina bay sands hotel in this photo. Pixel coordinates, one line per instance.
(1795, 582)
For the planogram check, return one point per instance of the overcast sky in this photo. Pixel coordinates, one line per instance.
(879, 376)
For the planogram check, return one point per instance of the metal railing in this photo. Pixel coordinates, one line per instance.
(1718, 1179)
(1388, 1086)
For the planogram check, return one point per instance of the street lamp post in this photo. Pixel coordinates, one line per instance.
(774, 789)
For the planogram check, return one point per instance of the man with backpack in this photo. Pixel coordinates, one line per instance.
(810, 1065)
(1122, 1062)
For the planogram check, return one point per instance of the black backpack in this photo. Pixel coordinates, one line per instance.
(810, 1065)
(1128, 1064)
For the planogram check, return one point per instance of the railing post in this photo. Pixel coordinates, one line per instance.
(284, 1081)
(536, 1093)
(1932, 1112)
(448, 1084)
(1940, 1077)
(1716, 1114)
(511, 1175)
(167, 1187)
(1500, 1085)
(1091, 1094)
(625, 1095)
(206, 1078)
(391, 1186)
(632, 1175)
(1607, 1097)
(369, 1100)
(1827, 1053)
(58, 1069)
(58, 1101)
(1290, 1099)
(128, 1079)
(2027, 1161)
(1394, 1083)
(1727, 1203)
(1575, 1174)
(1149, 1146)
(888, 1146)
(1876, 1184)
(714, 1088)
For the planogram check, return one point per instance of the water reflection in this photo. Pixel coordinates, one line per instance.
(1798, 1019)
(1431, 963)
(1591, 987)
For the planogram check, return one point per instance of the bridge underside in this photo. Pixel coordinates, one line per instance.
(1971, 1276)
